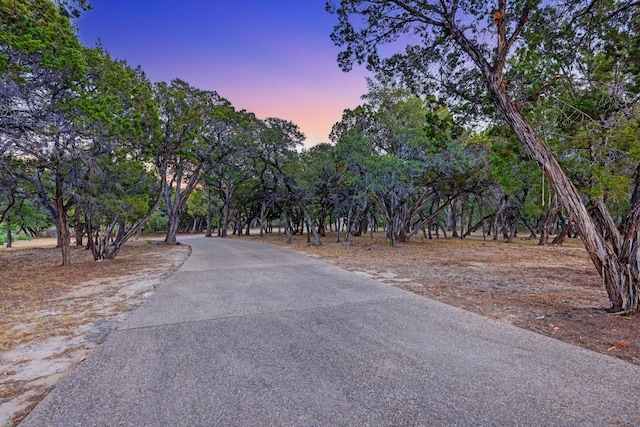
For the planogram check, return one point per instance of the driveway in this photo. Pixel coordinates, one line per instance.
(246, 334)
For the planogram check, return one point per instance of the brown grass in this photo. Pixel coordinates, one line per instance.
(550, 290)
(52, 316)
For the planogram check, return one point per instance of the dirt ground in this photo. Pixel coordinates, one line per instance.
(53, 317)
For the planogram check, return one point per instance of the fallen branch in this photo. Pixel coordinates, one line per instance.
(622, 313)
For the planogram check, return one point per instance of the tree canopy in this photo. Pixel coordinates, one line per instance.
(480, 116)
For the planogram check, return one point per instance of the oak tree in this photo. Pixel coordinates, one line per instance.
(466, 48)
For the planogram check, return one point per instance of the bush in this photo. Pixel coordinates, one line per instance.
(16, 237)
(157, 222)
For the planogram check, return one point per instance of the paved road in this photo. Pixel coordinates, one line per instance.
(246, 334)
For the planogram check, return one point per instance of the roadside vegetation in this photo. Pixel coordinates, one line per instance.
(493, 164)
(523, 123)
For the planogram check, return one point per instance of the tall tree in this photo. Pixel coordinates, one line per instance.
(236, 166)
(468, 47)
(412, 148)
(280, 160)
(122, 119)
(321, 179)
(196, 126)
(41, 69)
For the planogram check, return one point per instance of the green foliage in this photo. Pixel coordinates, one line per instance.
(118, 188)
(25, 215)
(517, 174)
(570, 67)
(197, 203)
(14, 235)
(406, 153)
(38, 27)
(157, 222)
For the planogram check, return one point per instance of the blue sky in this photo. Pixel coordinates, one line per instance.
(273, 58)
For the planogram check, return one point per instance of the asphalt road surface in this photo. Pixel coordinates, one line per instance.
(246, 334)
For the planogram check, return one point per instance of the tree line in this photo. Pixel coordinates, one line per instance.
(496, 119)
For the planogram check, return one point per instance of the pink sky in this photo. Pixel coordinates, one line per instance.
(273, 58)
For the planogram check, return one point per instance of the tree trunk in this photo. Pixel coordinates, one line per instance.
(322, 219)
(9, 236)
(608, 226)
(391, 232)
(347, 236)
(513, 229)
(471, 208)
(63, 224)
(263, 218)
(619, 274)
(225, 220)
(531, 226)
(498, 214)
(124, 235)
(549, 218)
(78, 229)
(287, 225)
(564, 232)
(477, 225)
(453, 223)
(208, 219)
(372, 226)
(218, 222)
(310, 225)
(122, 229)
(172, 228)
(629, 254)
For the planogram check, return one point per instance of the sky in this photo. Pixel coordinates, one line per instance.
(270, 57)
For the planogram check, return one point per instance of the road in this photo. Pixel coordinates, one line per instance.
(246, 334)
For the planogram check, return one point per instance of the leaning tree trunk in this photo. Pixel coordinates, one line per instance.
(124, 235)
(609, 228)
(619, 273)
(474, 227)
(311, 226)
(499, 213)
(564, 232)
(630, 252)
(549, 218)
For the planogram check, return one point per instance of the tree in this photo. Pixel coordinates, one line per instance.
(41, 69)
(411, 148)
(236, 167)
(521, 182)
(120, 190)
(321, 179)
(195, 128)
(468, 46)
(280, 171)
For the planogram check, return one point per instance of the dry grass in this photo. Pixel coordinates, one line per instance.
(34, 297)
(52, 316)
